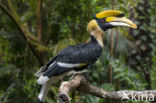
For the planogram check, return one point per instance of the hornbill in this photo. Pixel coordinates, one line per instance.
(78, 57)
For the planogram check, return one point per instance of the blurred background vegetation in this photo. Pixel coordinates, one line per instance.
(33, 31)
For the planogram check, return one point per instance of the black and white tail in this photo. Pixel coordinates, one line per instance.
(43, 92)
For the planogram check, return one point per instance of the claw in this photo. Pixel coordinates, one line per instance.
(78, 73)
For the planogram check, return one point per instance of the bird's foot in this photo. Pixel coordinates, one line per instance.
(79, 73)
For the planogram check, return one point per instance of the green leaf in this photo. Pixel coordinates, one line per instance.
(7, 69)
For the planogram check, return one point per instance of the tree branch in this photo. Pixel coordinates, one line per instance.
(21, 25)
(15, 18)
(82, 85)
(23, 28)
(30, 38)
(39, 20)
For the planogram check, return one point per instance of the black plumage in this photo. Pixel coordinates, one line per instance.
(84, 53)
(78, 57)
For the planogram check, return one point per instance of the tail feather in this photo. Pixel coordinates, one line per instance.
(42, 79)
(43, 92)
(38, 101)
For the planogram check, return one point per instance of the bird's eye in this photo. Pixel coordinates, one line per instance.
(103, 20)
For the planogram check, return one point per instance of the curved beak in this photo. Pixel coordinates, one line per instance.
(120, 21)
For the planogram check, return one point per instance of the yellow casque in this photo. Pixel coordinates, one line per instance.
(108, 13)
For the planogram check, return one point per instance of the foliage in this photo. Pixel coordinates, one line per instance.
(64, 23)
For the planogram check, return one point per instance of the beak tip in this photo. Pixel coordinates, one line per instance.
(134, 26)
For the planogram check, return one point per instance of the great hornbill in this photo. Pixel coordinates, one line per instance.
(78, 57)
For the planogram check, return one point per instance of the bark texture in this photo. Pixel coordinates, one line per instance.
(82, 85)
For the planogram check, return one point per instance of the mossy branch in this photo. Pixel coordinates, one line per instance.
(30, 38)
